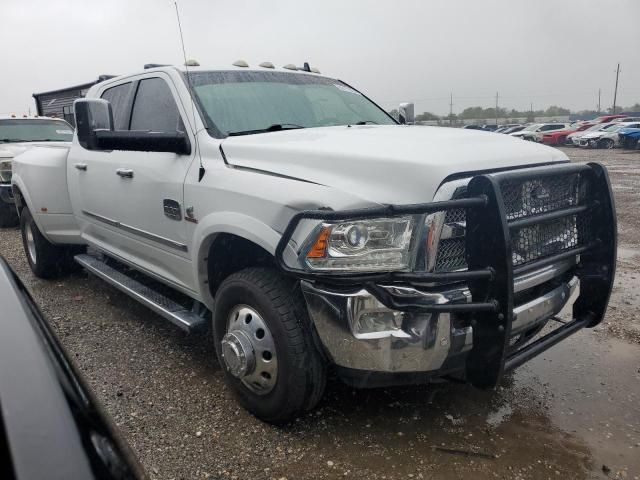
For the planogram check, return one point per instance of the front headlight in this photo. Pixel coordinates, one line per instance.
(5, 171)
(361, 245)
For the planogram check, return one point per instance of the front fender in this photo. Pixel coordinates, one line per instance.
(233, 223)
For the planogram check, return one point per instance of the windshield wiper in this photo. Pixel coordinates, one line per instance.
(276, 127)
(11, 140)
(364, 122)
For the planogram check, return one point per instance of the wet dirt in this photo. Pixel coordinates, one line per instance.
(572, 413)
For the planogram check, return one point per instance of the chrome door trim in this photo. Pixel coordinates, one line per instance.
(136, 231)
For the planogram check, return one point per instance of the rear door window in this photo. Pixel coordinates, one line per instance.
(154, 108)
(118, 97)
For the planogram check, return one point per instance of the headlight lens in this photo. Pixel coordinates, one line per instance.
(5, 171)
(363, 245)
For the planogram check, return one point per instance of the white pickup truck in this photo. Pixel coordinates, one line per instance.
(18, 133)
(312, 232)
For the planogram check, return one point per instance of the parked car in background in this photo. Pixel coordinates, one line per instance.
(608, 118)
(573, 139)
(559, 137)
(504, 128)
(605, 138)
(50, 425)
(473, 127)
(614, 138)
(629, 137)
(513, 129)
(627, 119)
(17, 134)
(530, 132)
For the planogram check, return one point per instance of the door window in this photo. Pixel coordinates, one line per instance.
(154, 108)
(118, 97)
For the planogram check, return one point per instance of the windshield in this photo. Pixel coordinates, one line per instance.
(29, 130)
(255, 102)
(611, 127)
(531, 128)
(595, 128)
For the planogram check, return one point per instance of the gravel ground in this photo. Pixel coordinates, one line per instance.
(572, 413)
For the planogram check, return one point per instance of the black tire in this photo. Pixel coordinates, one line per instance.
(607, 143)
(301, 376)
(8, 215)
(46, 259)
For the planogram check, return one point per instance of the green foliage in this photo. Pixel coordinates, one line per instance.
(425, 116)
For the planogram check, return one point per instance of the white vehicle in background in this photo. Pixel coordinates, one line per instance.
(573, 139)
(18, 134)
(531, 132)
(606, 137)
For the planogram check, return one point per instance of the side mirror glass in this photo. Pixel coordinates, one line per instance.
(92, 114)
(406, 114)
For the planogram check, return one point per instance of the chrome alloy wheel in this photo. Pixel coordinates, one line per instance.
(248, 350)
(31, 243)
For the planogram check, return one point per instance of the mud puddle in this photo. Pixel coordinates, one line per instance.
(567, 413)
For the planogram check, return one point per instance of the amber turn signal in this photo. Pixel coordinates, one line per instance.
(319, 248)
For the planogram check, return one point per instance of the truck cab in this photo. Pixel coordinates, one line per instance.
(311, 232)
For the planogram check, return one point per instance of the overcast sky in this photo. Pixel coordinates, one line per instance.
(546, 52)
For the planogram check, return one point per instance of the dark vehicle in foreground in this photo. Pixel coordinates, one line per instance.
(50, 425)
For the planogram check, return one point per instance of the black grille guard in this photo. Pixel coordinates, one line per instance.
(491, 272)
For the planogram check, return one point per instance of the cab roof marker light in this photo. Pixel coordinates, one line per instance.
(267, 65)
(192, 63)
(290, 66)
(240, 63)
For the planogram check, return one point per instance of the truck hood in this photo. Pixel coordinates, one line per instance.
(10, 150)
(383, 164)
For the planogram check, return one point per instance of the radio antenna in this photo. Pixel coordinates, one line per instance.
(190, 88)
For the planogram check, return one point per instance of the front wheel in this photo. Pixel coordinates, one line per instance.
(606, 143)
(264, 344)
(45, 259)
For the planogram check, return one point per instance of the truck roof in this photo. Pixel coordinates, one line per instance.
(239, 65)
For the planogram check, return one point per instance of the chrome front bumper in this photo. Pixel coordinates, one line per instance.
(419, 342)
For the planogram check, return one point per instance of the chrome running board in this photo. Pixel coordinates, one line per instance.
(162, 305)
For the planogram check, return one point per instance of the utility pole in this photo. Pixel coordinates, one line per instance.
(615, 92)
(533, 119)
(599, 91)
(496, 109)
(451, 109)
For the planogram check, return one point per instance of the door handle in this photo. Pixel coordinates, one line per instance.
(81, 166)
(124, 172)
